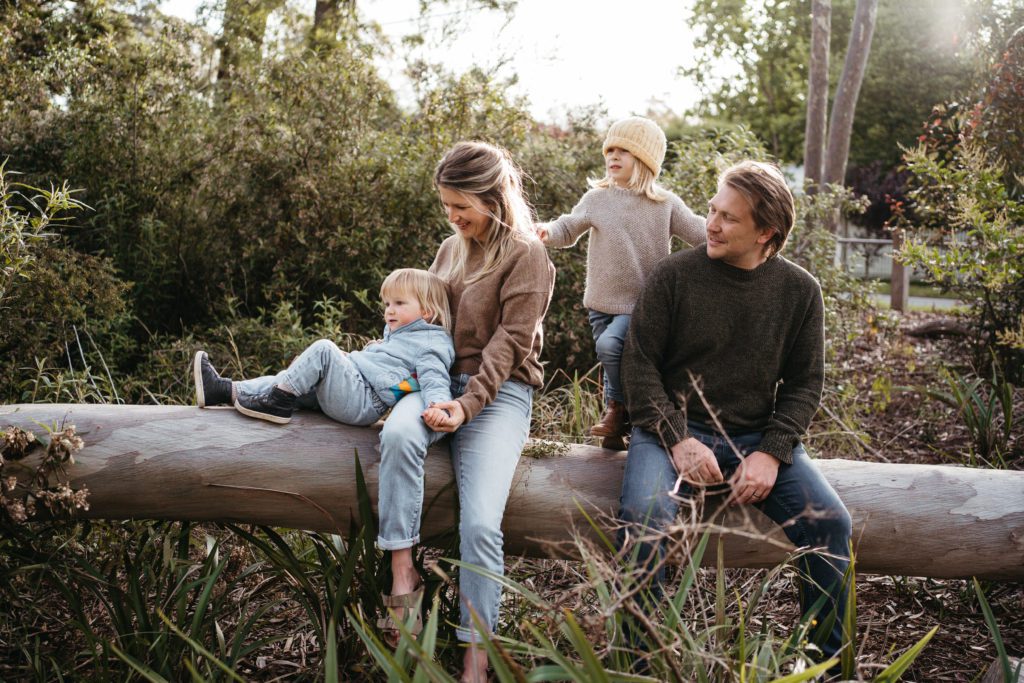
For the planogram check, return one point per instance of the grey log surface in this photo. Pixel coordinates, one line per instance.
(183, 463)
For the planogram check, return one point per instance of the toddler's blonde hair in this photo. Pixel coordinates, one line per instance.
(430, 290)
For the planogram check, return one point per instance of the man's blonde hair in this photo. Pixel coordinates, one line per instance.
(771, 201)
(430, 290)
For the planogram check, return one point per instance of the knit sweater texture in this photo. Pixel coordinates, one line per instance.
(753, 339)
(497, 318)
(629, 234)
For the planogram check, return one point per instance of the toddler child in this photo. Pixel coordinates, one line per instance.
(631, 220)
(354, 388)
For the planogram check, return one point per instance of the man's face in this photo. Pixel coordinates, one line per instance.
(732, 235)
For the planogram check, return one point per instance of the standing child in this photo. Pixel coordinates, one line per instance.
(631, 220)
(354, 388)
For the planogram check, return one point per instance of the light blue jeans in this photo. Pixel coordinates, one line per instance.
(609, 337)
(802, 502)
(325, 379)
(485, 452)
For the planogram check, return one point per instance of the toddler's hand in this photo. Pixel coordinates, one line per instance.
(435, 418)
(542, 233)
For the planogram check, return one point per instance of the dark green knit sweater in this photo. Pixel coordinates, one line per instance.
(740, 332)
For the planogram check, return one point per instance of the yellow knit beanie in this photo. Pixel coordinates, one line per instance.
(642, 138)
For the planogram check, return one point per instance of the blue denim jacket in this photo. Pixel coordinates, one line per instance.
(415, 357)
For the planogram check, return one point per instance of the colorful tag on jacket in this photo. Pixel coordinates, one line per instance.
(406, 386)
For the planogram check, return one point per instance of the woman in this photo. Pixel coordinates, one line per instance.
(500, 282)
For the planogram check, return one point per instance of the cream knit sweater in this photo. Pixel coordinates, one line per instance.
(629, 234)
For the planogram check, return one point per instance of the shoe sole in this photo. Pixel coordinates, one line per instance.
(262, 416)
(197, 379)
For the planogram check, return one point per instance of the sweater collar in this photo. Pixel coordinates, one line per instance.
(742, 274)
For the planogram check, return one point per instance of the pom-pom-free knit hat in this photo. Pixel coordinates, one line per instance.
(642, 138)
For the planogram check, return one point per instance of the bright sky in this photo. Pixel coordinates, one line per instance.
(621, 54)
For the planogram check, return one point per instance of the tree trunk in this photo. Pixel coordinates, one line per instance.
(329, 16)
(841, 124)
(174, 462)
(817, 95)
(241, 39)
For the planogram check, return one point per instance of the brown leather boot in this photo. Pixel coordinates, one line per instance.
(613, 422)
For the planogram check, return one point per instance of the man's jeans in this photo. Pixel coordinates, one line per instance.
(485, 452)
(609, 337)
(802, 501)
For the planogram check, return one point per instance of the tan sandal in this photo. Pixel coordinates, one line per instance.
(398, 606)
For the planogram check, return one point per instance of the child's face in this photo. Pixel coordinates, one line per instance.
(401, 309)
(619, 163)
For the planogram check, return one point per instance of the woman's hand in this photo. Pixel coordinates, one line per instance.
(446, 416)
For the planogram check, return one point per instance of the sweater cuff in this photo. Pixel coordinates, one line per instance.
(471, 405)
(672, 428)
(778, 444)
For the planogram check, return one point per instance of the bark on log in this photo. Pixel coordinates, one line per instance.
(182, 463)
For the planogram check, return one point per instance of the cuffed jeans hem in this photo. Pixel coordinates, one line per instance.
(470, 636)
(397, 545)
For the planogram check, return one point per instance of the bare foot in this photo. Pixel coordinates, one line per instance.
(474, 665)
(404, 578)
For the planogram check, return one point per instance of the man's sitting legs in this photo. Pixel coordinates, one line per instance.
(802, 502)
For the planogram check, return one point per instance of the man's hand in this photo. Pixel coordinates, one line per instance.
(754, 478)
(695, 462)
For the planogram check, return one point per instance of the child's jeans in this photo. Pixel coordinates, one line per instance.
(485, 452)
(325, 379)
(801, 501)
(609, 336)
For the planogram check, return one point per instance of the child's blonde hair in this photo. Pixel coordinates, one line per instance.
(487, 174)
(430, 290)
(641, 181)
(645, 140)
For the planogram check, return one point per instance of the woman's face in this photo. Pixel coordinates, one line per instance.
(467, 215)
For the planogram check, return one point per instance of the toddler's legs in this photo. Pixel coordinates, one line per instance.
(322, 377)
(609, 337)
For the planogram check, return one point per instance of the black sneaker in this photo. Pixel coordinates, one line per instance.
(273, 406)
(211, 388)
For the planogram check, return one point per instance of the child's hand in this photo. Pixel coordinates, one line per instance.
(434, 417)
(542, 233)
(444, 417)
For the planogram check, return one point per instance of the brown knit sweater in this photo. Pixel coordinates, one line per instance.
(754, 338)
(629, 234)
(497, 319)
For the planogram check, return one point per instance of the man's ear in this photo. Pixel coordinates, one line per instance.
(765, 235)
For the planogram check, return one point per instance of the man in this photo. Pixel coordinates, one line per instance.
(730, 333)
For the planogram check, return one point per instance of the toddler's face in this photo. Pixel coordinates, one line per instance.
(401, 309)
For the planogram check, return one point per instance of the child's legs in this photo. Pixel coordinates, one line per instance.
(341, 392)
(404, 441)
(609, 337)
(485, 452)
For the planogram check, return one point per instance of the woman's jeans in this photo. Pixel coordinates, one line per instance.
(802, 502)
(609, 336)
(324, 379)
(485, 452)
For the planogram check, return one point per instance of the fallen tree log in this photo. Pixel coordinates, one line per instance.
(182, 463)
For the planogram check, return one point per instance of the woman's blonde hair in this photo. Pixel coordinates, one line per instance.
(641, 181)
(486, 175)
(430, 290)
